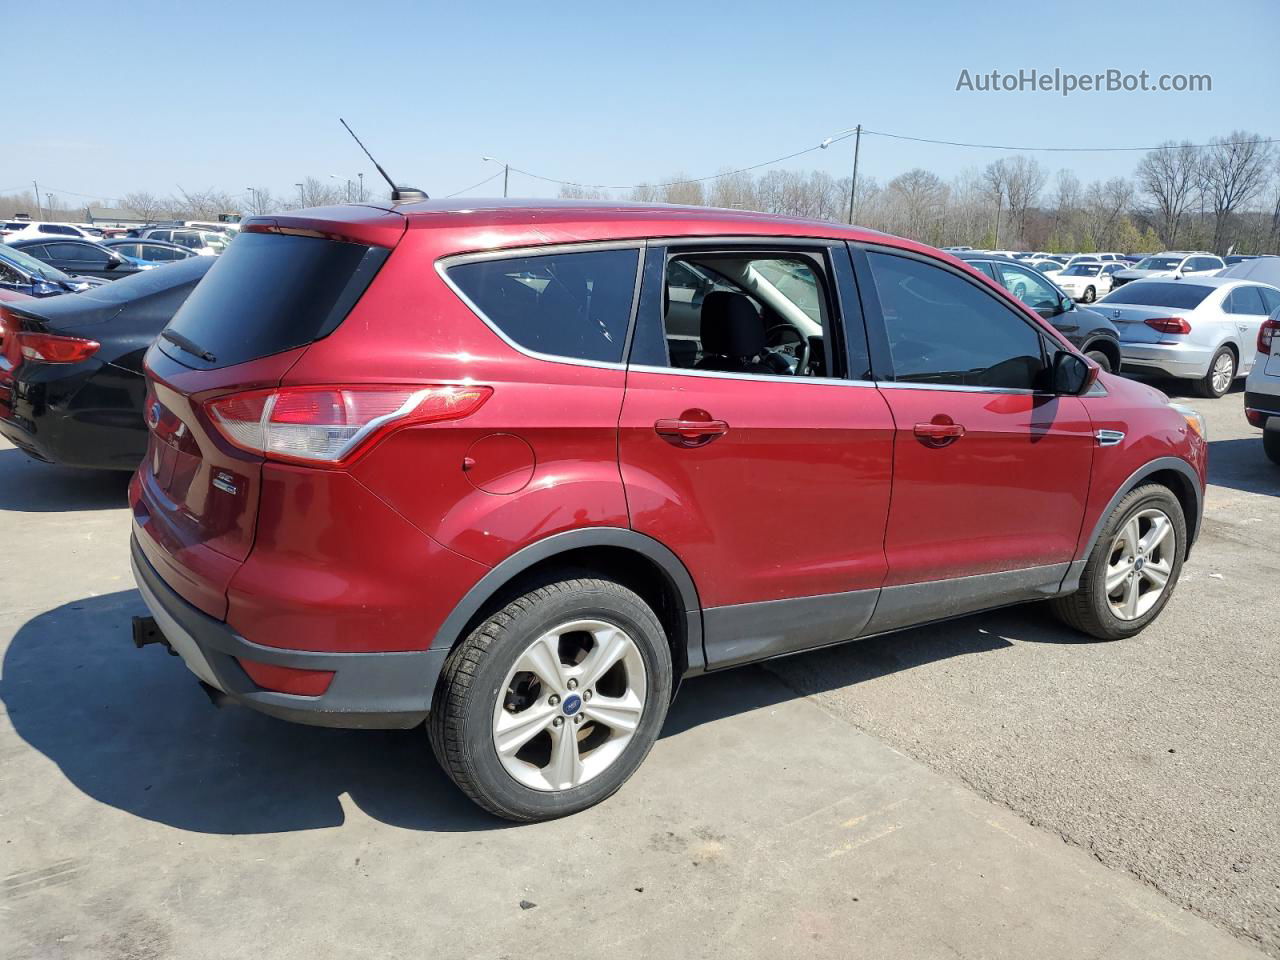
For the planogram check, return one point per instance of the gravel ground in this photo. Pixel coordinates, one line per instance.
(1157, 754)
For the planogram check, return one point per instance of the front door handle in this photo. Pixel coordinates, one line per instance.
(690, 433)
(939, 431)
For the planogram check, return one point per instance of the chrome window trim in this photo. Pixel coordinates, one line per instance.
(768, 378)
(960, 388)
(514, 253)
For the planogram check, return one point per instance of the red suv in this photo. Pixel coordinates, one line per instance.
(517, 469)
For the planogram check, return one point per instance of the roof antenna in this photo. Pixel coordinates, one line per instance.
(398, 194)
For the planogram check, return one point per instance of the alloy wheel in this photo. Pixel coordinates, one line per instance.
(570, 705)
(1223, 372)
(1140, 563)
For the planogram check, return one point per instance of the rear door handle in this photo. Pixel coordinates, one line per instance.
(690, 433)
(939, 434)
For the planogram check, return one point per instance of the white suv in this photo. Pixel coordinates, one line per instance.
(1171, 263)
(1262, 389)
(41, 230)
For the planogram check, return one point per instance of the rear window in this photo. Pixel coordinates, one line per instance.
(269, 293)
(574, 305)
(1181, 296)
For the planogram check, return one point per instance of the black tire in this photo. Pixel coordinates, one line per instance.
(1101, 359)
(1087, 610)
(461, 721)
(1204, 386)
(1271, 445)
(1090, 294)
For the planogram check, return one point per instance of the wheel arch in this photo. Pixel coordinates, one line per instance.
(1179, 476)
(1108, 346)
(636, 561)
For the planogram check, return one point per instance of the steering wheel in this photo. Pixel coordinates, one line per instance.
(798, 347)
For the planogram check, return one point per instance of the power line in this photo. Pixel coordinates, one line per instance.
(474, 185)
(997, 146)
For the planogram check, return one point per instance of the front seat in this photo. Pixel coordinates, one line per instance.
(732, 333)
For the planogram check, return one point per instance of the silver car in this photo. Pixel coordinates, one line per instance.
(1201, 328)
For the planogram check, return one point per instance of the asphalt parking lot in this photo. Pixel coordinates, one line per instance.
(990, 787)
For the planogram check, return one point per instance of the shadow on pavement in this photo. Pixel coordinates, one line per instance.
(1240, 464)
(29, 486)
(132, 729)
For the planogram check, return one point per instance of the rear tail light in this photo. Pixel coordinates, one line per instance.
(328, 426)
(1267, 335)
(1256, 418)
(1169, 324)
(50, 348)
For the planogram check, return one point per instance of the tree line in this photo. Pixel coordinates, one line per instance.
(1221, 197)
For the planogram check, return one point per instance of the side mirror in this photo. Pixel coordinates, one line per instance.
(114, 262)
(1073, 374)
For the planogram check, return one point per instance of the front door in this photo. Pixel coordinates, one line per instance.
(749, 449)
(990, 471)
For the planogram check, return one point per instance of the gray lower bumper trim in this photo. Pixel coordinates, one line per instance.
(387, 690)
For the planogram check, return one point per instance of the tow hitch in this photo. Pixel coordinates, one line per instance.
(146, 631)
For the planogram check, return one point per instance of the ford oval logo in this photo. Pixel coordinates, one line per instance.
(155, 413)
(572, 704)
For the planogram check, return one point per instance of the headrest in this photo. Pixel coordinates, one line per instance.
(731, 325)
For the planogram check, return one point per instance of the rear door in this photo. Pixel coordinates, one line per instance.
(241, 329)
(990, 473)
(1246, 311)
(753, 445)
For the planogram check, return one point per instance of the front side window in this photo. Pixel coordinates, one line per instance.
(573, 304)
(944, 330)
(1032, 289)
(80, 252)
(58, 229)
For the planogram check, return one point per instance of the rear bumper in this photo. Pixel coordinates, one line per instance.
(1172, 359)
(1262, 409)
(368, 690)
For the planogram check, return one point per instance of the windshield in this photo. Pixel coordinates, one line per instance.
(1158, 263)
(795, 281)
(32, 265)
(1161, 293)
(1082, 270)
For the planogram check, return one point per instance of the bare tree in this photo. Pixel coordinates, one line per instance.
(735, 191)
(682, 190)
(146, 205)
(996, 177)
(1168, 177)
(261, 201)
(1233, 171)
(201, 204)
(1105, 205)
(571, 191)
(919, 200)
(1024, 179)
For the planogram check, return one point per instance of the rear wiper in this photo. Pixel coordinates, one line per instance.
(190, 346)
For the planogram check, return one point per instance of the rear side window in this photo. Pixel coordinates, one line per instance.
(575, 305)
(1157, 293)
(1245, 300)
(269, 293)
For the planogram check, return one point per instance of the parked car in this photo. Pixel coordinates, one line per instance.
(153, 251)
(1202, 329)
(42, 230)
(86, 258)
(479, 486)
(1259, 269)
(1262, 389)
(1090, 332)
(71, 381)
(206, 243)
(1171, 263)
(1087, 281)
(23, 273)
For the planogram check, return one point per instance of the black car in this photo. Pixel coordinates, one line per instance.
(72, 389)
(154, 251)
(85, 257)
(23, 273)
(1091, 332)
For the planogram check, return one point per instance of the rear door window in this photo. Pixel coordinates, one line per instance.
(270, 293)
(570, 304)
(1245, 300)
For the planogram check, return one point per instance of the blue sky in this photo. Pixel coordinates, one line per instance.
(233, 94)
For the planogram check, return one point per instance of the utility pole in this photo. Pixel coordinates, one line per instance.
(49, 197)
(39, 209)
(361, 176)
(506, 172)
(853, 186)
(301, 199)
(253, 195)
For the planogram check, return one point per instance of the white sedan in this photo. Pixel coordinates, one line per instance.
(1085, 281)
